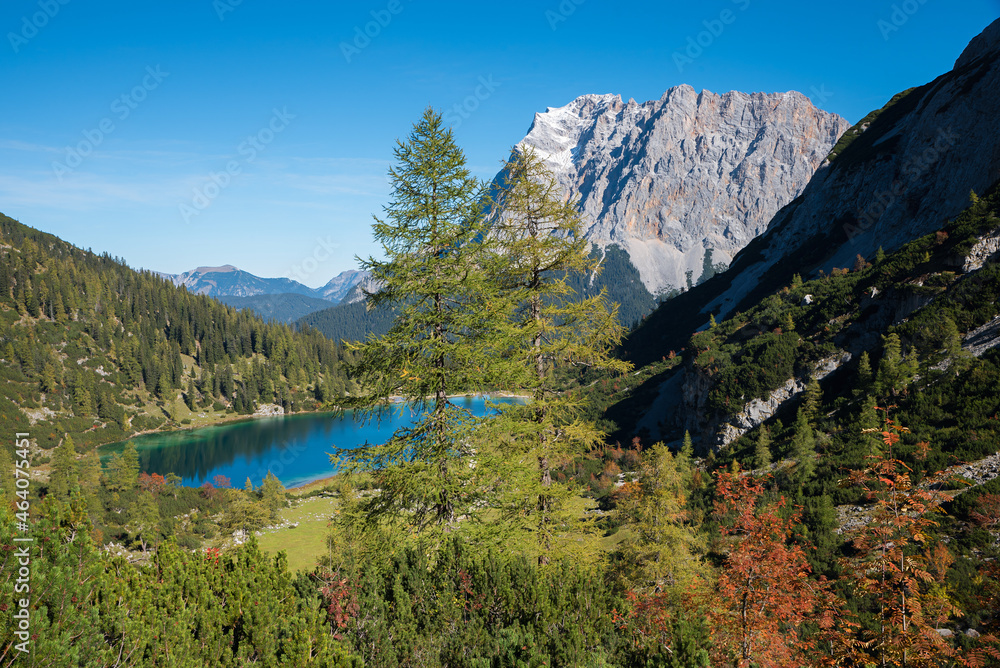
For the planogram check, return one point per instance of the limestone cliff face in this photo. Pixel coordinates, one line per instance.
(903, 174)
(899, 175)
(670, 179)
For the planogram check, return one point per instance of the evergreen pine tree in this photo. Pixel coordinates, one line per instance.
(49, 383)
(895, 372)
(189, 395)
(123, 470)
(687, 446)
(803, 448)
(864, 373)
(812, 399)
(144, 519)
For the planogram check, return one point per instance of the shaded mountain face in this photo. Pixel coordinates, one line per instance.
(228, 281)
(672, 179)
(900, 173)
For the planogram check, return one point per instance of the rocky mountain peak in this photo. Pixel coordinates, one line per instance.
(674, 179)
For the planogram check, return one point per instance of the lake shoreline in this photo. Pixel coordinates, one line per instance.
(295, 447)
(234, 419)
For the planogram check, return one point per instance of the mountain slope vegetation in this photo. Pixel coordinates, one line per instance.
(94, 349)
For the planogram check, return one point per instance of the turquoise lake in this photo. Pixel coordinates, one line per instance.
(295, 448)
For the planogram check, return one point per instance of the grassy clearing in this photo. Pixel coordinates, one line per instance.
(305, 543)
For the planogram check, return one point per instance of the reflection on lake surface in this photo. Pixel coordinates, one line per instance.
(295, 448)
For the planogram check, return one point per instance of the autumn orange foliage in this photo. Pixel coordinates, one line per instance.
(764, 593)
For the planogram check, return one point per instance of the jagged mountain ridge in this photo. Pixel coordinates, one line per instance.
(670, 179)
(230, 281)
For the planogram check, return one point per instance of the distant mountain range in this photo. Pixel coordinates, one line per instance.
(230, 281)
(280, 299)
(679, 184)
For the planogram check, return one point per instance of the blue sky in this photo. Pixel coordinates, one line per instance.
(258, 133)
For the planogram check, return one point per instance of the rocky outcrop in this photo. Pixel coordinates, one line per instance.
(984, 249)
(269, 410)
(758, 411)
(719, 431)
(674, 178)
(984, 338)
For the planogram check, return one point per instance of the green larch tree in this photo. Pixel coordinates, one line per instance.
(540, 242)
(762, 457)
(273, 495)
(432, 240)
(663, 548)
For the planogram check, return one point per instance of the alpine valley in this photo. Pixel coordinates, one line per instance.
(786, 452)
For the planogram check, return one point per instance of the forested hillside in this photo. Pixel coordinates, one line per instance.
(92, 348)
(348, 322)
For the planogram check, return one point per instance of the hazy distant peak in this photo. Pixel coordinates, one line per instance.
(213, 270)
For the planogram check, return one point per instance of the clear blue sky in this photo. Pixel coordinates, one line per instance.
(170, 92)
